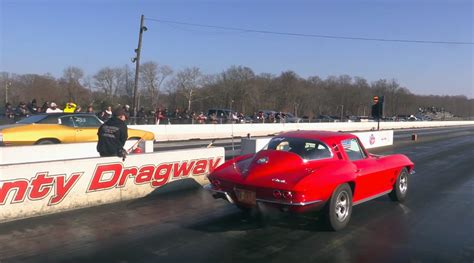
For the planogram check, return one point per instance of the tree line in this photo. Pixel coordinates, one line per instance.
(238, 88)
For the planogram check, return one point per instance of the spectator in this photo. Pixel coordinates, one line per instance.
(278, 117)
(241, 117)
(32, 107)
(53, 108)
(159, 116)
(45, 106)
(9, 112)
(112, 135)
(90, 109)
(126, 110)
(177, 115)
(70, 107)
(22, 110)
(271, 117)
(106, 114)
(201, 118)
(213, 118)
(185, 114)
(233, 117)
(141, 116)
(78, 109)
(260, 117)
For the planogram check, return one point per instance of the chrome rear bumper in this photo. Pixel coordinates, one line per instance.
(226, 195)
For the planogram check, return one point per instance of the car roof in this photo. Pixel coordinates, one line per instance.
(59, 114)
(324, 136)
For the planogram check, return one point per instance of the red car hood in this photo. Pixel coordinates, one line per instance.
(268, 168)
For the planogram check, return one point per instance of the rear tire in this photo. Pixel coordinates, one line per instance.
(46, 141)
(339, 208)
(400, 188)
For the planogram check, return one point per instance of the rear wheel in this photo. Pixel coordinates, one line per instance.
(46, 141)
(400, 188)
(339, 209)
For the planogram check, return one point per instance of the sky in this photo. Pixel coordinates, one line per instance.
(46, 36)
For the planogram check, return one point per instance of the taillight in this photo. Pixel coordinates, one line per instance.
(287, 195)
(277, 194)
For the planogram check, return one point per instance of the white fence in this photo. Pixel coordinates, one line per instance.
(35, 189)
(213, 131)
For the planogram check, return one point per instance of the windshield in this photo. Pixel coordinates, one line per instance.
(305, 148)
(32, 119)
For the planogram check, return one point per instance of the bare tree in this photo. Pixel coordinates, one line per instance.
(186, 82)
(72, 77)
(108, 80)
(152, 78)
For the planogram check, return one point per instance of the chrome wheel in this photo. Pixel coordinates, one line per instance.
(400, 187)
(342, 206)
(403, 185)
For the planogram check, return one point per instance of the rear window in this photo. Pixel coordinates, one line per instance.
(305, 148)
(32, 119)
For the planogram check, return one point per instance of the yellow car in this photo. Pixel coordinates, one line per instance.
(58, 128)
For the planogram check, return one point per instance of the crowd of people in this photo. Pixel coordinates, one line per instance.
(23, 110)
(143, 116)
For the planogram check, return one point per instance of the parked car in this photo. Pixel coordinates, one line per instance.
(306, 171)
(55, 128)
(289, 117)
(325, 118)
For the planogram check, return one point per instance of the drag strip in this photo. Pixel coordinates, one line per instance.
(435, 224)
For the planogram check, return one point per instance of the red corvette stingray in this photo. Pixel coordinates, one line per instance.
(309, 171)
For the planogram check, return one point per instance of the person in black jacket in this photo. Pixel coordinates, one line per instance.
(112, 135)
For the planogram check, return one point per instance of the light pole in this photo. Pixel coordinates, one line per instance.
(7, 85)
(136, 60)
(342, 112)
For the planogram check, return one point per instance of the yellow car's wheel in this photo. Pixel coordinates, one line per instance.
(47, 141)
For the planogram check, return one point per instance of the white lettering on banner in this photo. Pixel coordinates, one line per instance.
(105, 177)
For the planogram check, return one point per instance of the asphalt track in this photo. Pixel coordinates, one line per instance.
(435, 224)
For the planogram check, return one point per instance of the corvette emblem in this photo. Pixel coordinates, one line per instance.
(280, 181)
(262, 160)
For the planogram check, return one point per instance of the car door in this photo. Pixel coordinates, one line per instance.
(369, 174)
(64, 129)
(86, 127)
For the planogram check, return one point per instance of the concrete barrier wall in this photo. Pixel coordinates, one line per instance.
(212, 131)
(34, 189)
(371, 139)
(52, 152)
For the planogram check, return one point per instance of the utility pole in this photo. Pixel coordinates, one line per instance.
(7, 84)
(342, 112)
(137, 63)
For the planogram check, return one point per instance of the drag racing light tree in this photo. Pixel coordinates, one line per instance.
(377, 107)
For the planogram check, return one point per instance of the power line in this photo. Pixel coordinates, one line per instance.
(311, 35)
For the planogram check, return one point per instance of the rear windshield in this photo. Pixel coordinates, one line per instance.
(32, 119)
(305, 148)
